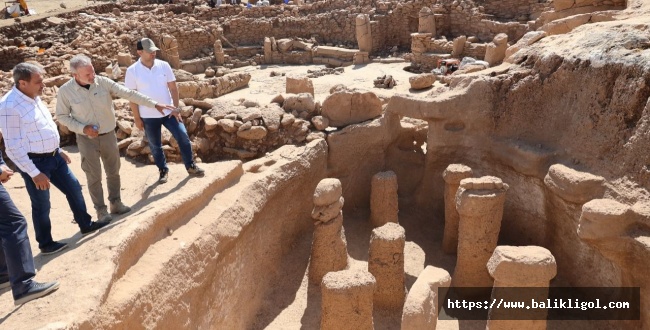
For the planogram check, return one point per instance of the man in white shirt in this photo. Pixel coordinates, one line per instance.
(32, 142)
(156, 79)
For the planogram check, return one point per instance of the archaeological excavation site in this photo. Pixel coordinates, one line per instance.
(364, 159)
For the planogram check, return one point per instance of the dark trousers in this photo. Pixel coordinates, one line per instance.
(153, 127)
(16, 259)
(55, 168)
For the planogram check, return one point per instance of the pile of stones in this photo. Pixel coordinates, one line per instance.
(385, 81)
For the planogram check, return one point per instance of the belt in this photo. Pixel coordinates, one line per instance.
(43, 155)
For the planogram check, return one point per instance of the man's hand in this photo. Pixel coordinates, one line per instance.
(90, 131)
(176, 114)
(138, 122)
(65, 157)
(162, 107)
(6, 174)
(42, 181)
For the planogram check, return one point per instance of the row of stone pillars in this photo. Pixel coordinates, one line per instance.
(349, 296)
(473, 214)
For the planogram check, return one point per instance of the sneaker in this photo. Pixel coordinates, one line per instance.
(4, 282)
(94, 226)
(103, 215)
(195, 170)
(164, 174)
(53, 247)
(37, 290)
(118, 207)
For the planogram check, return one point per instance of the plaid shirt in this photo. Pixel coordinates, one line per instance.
(27, 126)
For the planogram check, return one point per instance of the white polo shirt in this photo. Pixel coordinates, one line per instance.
(151, 82)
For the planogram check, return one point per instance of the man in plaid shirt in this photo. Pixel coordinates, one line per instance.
(32, 142)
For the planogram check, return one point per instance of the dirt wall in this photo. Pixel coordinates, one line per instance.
(270, 215)
(592, 118)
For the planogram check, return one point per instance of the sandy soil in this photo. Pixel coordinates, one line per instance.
(45, 8)
(262, 87)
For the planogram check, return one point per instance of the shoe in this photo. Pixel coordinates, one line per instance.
(195, 170)
(53, 247)
(103, 215)
(164, 174)
(4, 282)
(37, 290)
(94, 226)
(118, 207)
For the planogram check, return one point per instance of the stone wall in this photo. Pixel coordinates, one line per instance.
(474, 50)
(440, 49)
(332, 28)
(560, 5)
(460, 22)
(102, 35)
(113, 29)
(521, 10)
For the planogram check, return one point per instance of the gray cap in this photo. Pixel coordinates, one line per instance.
(147, 45)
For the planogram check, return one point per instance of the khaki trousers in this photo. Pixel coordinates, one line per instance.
(103, 147)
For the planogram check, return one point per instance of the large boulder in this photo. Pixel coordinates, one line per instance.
(528, 39)
(299, 102)
(284, 45)
(345, 107)
(496, 51)
(299, 84)
(182, 75)
(422, 81)
(252, 133)
(272, 114)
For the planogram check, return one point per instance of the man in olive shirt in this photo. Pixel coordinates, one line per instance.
(85, 106)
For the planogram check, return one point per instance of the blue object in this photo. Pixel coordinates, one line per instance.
(16, 262)
(248, 5)
(153, 126)
(286, 1)
(61, 177)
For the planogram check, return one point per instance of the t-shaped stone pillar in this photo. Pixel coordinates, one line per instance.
(479, 202)
(169, 51)
(427, 21)
(347, 300)
(603, 218)
(219, 55)
(364, 36)
(383, 199)
(519, 267)
(452, 175)
(495, 52)
(386, 264)
(421, 305)
(329, 249)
